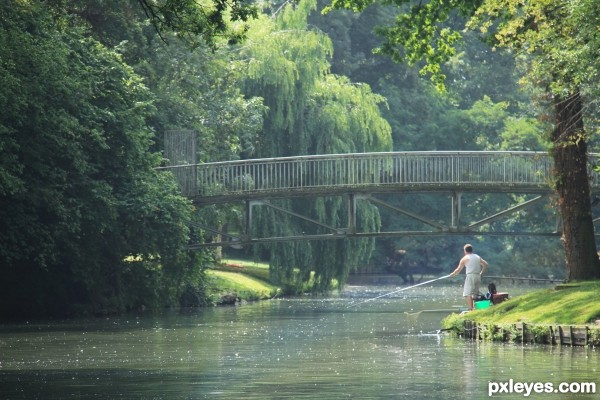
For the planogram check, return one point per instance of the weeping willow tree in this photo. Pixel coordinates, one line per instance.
(284, 62)
(310, 111)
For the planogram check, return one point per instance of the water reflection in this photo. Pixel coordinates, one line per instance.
(281, 349)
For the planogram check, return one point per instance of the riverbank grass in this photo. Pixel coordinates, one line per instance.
(235, 285)
(567, 304)
(254, 269)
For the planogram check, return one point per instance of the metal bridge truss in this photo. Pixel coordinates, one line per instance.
(366, 177)
(350, 230)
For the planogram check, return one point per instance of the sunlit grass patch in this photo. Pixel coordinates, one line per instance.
(246, 287)
(251, 268)
(244, 263)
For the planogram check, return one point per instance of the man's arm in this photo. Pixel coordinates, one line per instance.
(461, 265)
(484, 266)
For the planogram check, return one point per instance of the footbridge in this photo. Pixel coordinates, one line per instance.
(368, 177)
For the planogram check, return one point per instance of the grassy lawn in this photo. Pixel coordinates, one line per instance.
(568, 304)
(251, 268)
(246, 280)
(244, 286)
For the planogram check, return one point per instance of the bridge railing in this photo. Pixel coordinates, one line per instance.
(367, 170)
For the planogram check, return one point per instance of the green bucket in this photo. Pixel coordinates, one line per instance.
(482, 304)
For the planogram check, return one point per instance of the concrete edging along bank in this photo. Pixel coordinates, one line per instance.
(570, 335)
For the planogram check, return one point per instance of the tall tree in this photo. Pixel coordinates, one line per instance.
(558, 42)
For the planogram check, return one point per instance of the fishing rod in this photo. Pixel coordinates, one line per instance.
(399, 290)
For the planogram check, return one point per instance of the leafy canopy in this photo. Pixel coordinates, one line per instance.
(560, 39)
(196, 20)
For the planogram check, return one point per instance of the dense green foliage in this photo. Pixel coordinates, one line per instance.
(88, 224)
(200, 22)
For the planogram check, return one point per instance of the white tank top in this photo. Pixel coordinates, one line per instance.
(473, 264)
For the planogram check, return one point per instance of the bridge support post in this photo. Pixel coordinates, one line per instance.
(351, 213)
(456, 197)
(248, 218)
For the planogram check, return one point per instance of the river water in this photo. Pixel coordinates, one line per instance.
(302, 348)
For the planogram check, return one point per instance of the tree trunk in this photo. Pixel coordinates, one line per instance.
(572, 184)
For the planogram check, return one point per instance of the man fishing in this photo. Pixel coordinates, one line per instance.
(475, 268)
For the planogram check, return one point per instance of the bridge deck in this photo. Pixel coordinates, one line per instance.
(231, 181)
